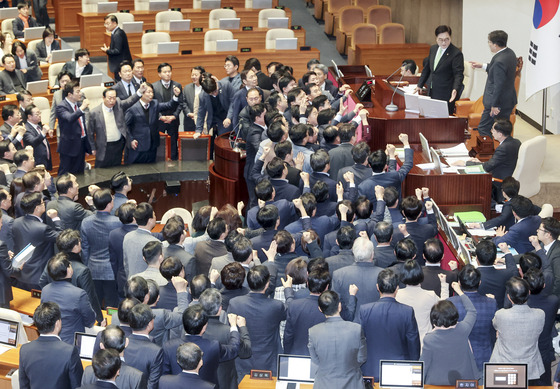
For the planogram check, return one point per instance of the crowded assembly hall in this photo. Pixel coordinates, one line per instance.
(214, 205)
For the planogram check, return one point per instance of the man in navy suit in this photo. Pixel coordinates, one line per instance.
(107, 365)
(492, 280)
(384, 255)
(320, 163)
(345, 237)
(277, 171)
(76, 310)
(255, 132)
(265, 192)
(443, 76)
(141, 120)
(48, 362)
(213, 105)
(389, 326)
(73, 143)
(500, 96)
(126, 86)
(361, 170)
(118, 49)
(189, 358)
(526, 225)
(36, 137)
(433, 254)
(322, 225)
(239, 99)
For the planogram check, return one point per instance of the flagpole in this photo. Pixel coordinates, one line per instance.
(544, 97)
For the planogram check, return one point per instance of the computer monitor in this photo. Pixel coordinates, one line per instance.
(158, 5)
(401, 374)
(425, 147)
(226, 45)
(8, 332)
(38, 87)
(411, 103)
(433, 108)
(286, 43)
(296, 368)
(12, 12)
(262, 4)
(229, 23)
(180, 25)
(282, 22)
(168, 47)
(210, 4)
(84, 343)
(91, 80)
(505, 376)
(133, 27)
(32, 33)
(62, 55)
(107, 7)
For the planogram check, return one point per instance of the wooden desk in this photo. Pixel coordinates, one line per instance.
(91, 24)
(385, 58)
(213, 62)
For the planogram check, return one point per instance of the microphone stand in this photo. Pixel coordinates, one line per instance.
(393, 107)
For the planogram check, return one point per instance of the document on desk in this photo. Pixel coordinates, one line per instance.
(481, 232)
(455, 151)
(427, 166)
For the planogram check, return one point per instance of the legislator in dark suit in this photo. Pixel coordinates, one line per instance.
(73, 143)
(431, 277)
(31, 229)
(340, 157)
(128, 377)
(205, 251)
(499, 91)
(109, 143)
(184, 380)
(518, 235)
(447, 76)
(141, 120)
(35, 138)
(122, 88)
(301, 316)
(493, 281)
(7, 85)
(384, 256)
(503, 162)
(145, 356)
(6, 271)
(41, 49)
(391, 333)
(118, 50)
(49, 363)
(70, 212)
(419, 233)
(164, 94)
(70, 67)
(188, 260)
(18, 26)
(320, 176)
(338, 348)
(286, 213)
(34, 72)
(116, 238)
(206, 108)
(75, 308)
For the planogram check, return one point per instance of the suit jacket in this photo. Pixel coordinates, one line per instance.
(188, 260)
(284, 190)
(321, 224)
(500, 84)
(95, 251)
(553, 255)
(56, 99)
(301, 316)
(6, 235)
(133, 243)
(482, 336)
(118, 50)
(205, 251)
(384, 256)
(518, 330)
(145, 132)
(48, 362)
(35, 139)
(448, 74)
(205, 106)
(18, 26)
(286, 213)
(70, 130)
(71, 213)
(361, 173)
(96, 125)
(338, 348)
(41, 49)
(98, 384)
(493, 281)
(70, 67)
(263, 241)
(391, 333)
(503, 162)
(122, 90)
(362, 274)
(264, 81)
(6, 271)
(341, 157)
(128, 377)
(518, 235)
(75, 307)
(28, 229)
(331, 184)
(145, 356)
(188, 98)
(549, 305)
(116, 238)
(344, 258)
(34, 72)
(6, 83)
(158, 94)
(184, 380)
(419, 233)
(431, 278)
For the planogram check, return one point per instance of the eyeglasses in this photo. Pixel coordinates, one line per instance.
(542, 230)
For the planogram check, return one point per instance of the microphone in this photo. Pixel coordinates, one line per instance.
(392, 74)
(393, 107)
(235, 147)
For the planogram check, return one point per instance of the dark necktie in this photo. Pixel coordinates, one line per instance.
(129, 91)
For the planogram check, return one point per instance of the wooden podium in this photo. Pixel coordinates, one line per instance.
(227, 185)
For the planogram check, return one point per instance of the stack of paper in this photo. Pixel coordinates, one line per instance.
(455, 151)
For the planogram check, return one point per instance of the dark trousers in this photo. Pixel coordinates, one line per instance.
(74, 165)
(545, 379)
(146, 156)
(487, 121)
(172, 129)
(106, 293)
(116, 77)
(113, 154)
(41, 14)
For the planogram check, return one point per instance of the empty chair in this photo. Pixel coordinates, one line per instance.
(54, 69)
(217, 14)
(141, 5)
(348, 17)
(378, 15)
(7, 26)
(123, 17)
(333, 6)
(361, 33)
(94, 94)
(271, 36)
(163, 18)
(212, 36)
(90, 5)
(365, 4)
(392, 33)
(32, 45)
(468, 81)
(184, 213)
(151, 39)
(270, 13)
(43, 104)
(319, 8)
(529, 162)
(547, 210)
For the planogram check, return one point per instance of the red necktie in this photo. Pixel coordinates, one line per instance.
(80, 121)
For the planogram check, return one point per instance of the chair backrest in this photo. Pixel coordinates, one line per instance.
(197, 4)
(151, 39)
(123, 17)
(216, 14)
(54, 69)
(363, 33)
(94, 94)
(529, 162)
(468, 80)
(32, 45)
(334, 5)
(349, 16)
(547, 210)
(185, 214)
(392, 33)
(264, 14)
(43, 104)
(163, 18)
(271, 35)
(90, 5)
(7, 26)
(210, 38)
(378, 15)
(365, 4)
(8, 314)
(141, 5)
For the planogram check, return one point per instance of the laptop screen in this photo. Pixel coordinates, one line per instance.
(8, 332)
(296, 368)
(500, 375)
(401, 374)
(84, 342)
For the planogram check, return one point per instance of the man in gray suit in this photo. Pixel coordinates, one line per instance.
(174, 233)
(63, 79)
(11, 79)
(71, 213)
(337, 347)
(113, 337)
(107, 125)
(499, 94)
(135, 241)
(518, 329)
